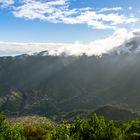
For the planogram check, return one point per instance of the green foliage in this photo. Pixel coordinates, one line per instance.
(8, 132)
(112, 132)
(32, 132)
(63, 132)
(132, 129)
(14, 132)
(2, 118)
(96, 128)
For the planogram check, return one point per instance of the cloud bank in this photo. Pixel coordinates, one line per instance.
(119, 39)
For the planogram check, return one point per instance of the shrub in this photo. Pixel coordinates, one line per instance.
(33, 132)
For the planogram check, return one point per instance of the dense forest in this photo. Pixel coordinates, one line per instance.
(95, 128)
(45, 84)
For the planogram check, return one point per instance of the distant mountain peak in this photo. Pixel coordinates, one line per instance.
(42, 53)
(130, 46)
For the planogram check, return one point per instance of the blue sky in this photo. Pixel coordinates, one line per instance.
(16, 25)
(27, 26)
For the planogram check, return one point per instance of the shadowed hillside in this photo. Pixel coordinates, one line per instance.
(44, 84)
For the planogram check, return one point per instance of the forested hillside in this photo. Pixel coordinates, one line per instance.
(44, 84)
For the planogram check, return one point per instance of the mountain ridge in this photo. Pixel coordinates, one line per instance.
(36, 84)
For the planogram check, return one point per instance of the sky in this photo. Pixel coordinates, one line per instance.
(36, 25)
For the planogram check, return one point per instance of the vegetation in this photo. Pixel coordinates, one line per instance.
(39, 84)
(68, 86)
(95, 128)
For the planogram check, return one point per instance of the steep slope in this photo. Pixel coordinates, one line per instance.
(44, 84)
(114, 113)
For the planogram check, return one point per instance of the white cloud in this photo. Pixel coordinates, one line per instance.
(58, 11)
(97, 47)
(110, 9)
(6, 2)
(32, 9)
